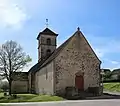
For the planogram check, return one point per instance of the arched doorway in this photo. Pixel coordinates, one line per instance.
(79, 82)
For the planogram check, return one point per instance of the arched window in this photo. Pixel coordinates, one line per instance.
(48, 52)
(49, 41)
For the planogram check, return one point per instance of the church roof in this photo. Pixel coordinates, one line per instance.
(41, 64)
(47, 31)
(37, 66)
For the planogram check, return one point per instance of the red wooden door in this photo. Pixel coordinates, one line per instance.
(79, 82)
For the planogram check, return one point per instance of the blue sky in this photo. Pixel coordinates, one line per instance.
(99, 20)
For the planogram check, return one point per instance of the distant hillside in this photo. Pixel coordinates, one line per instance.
(111, 75)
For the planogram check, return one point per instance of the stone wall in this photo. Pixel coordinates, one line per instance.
(20, 82)
(29, 82)
(42, 39)
(20, 87)
(43, 47)
(76, 57)
(44, 80)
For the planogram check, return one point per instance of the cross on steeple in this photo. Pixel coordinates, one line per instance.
(47, 23)
(78, 29)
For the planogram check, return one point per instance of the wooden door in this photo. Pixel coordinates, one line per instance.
(79, 82)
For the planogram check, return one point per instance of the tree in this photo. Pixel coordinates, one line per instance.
(107, 74)
(12, 59)
(107, 71)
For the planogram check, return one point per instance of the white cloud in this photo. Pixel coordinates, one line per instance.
(28, 67)
(11, 15)
(114, 62)
(104, 45)
(109, 63)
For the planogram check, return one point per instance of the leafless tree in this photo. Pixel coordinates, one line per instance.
(12, 59)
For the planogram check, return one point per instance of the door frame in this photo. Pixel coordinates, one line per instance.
(79, 74)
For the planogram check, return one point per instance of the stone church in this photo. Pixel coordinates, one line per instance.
(73, 64)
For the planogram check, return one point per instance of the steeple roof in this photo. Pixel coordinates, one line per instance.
(47, 31)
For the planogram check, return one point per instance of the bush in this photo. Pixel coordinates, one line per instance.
(5, 94)
(107, 75)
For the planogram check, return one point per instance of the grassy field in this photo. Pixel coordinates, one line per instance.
(29, 98)
(114, 87)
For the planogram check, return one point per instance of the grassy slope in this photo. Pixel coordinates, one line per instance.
(115, 87)
(29, 98)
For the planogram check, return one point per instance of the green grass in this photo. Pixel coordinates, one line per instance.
(114, 87)
(1, 95)
(29, 98)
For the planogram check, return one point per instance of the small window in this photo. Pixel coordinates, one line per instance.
(48, 52)
(49, 41)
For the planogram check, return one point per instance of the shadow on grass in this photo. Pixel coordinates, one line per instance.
(104, 96)
(115, 86)
(111, 96)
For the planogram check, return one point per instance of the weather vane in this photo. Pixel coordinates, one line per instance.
(46, 22)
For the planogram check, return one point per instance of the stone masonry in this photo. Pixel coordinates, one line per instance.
(77, 57)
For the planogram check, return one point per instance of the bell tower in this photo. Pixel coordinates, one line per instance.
(46, 43)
